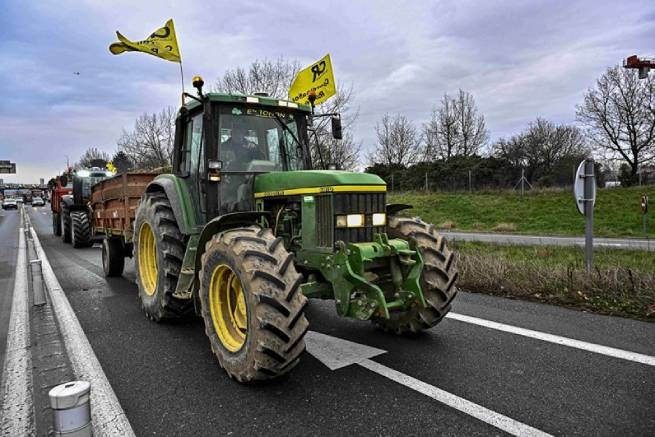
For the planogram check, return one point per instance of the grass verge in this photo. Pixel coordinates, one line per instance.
(617, 212)
(622, 282)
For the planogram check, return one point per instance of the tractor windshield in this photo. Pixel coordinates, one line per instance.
(255, 139)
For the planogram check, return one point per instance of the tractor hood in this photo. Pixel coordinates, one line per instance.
(291, 183)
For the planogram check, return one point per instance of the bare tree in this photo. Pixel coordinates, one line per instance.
(150, 144)
(441, 131)
(619, 113)
(274, 78)
(541, 146)
(456, 128)
(398, 141)
(92, 157)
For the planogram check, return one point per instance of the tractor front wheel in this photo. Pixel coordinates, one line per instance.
(80, 229)
(437, 280)
(252, 304)
(158, 253)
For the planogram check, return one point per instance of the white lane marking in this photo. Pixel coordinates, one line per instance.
(108, 416)
(337, 353)
(17, 404)
(564, 341)
(486, 415)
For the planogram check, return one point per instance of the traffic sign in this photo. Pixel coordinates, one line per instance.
(7, 167)
(578, 188)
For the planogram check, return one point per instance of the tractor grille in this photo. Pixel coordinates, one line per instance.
(358, 203)
(324, 221)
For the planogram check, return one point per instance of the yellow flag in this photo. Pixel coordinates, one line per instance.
(319, 78)
(161, 43)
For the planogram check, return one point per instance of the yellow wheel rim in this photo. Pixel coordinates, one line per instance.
(227, 305)
(147, 259)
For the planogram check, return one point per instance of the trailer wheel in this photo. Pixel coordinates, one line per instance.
(113, 259)
(56, 224)
(81, 229)
(65, 226)
(252, 304)
(158, 253)
(437, 280)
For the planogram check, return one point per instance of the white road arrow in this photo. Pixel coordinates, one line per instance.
(336, 353)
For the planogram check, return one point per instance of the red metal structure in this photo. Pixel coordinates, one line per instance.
(643, 65)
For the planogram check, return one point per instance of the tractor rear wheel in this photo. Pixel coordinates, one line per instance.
(252, 304)
(56, 224)
(65, 227)
(158, 253)
(113, 256)
(437, 280)
(80, 229)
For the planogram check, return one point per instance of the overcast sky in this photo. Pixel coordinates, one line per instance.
(520, 60)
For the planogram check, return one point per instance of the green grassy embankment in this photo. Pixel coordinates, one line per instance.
(622, 282)
(546, 212)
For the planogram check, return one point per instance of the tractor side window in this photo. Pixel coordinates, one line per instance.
(197, 166)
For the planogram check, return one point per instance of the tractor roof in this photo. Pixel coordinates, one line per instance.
(241, 98)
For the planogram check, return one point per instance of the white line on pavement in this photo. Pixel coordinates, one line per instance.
(564, 341)
(486, 415)
(17, 404)
(337, 353)
(108, 416)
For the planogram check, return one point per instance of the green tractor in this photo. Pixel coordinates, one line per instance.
(245, 230)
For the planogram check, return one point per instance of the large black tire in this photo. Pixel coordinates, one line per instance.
(56, 224)
(81, 229)
(155, 211)
(113, 257)
(65, 227)
(437, 280)
(275, 324)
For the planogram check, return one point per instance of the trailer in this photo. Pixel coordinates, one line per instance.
(114, 202)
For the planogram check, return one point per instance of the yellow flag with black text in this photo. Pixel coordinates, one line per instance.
(161, 43)
(318, 78)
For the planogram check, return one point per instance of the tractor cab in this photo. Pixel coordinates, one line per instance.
(224, 141)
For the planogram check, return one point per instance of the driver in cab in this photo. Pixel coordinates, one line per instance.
(238, 151)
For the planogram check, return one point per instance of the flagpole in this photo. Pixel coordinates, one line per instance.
(182, 77)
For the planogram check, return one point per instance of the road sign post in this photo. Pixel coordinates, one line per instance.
(644, 217)
(584, 191)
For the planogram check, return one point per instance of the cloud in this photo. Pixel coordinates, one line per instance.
(519, 59)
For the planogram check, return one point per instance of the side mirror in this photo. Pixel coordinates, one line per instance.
(214, 171)
(337, 134)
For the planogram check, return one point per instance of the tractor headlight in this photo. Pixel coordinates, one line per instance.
(350, 221)
(379, 219)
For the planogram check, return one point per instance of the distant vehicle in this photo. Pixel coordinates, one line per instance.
(10, 204)
(612, 184)
(37, 201)
(19, 199)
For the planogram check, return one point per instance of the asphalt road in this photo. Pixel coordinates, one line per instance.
(9, 223)
(544, 240)
(169, 383)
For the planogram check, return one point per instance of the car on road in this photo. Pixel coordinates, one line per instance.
(38, 201)
(10, 204)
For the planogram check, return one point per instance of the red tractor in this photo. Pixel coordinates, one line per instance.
(61, 187)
